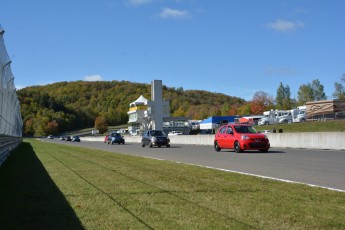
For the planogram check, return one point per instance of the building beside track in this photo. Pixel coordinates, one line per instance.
(325, 110)
(146, 114)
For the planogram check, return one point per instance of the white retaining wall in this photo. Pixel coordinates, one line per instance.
(316, 140)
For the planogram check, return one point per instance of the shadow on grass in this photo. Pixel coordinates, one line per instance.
(29, 199)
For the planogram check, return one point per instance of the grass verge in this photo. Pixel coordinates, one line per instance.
(310, 126)
(52, 186)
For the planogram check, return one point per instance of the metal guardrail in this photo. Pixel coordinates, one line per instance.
(7, 145)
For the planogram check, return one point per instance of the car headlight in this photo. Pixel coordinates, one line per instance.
(154, 139)
(245, 137)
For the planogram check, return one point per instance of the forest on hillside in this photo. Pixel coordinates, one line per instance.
(64, 106)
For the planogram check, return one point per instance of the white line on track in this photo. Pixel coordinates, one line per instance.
(250, 174)
(244, 173)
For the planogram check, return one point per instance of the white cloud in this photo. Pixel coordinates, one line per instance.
(284, 26)
(138, 2)
(171, 13)
(94, 77)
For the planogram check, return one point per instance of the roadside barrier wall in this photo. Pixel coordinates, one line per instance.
(307, 140)
(11, 122)
(7, 144)
(317, 140)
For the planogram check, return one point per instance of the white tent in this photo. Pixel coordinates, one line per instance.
(140, 101)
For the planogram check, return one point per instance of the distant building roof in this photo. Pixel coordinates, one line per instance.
(218, 119)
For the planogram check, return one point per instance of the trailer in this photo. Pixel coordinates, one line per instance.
(276, 117)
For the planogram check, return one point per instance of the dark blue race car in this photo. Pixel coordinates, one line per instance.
(115, 138)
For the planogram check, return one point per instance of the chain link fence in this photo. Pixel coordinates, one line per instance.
(11, 123)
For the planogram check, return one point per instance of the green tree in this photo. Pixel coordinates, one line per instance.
(339, 92)
(244, 109)
(179, 112)
(29, 127)
(313, 91)
(39, 126)
(318, 90)
(283, 98)
(225, 110)
(304, 94)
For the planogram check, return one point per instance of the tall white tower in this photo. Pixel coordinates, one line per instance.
(157, 105)
(149, 114)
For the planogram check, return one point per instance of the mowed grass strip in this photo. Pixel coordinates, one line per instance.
(53, 186)
(309, 126)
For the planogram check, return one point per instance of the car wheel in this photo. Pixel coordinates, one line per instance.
(263, 150)
(216, 146)
(237, 147)
(142, 144)
(108, 142)
(285, 121)
(266, 123)
(123, 142)
(168, 146)
(151, 145)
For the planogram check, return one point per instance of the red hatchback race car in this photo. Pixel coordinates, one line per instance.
(240, 137)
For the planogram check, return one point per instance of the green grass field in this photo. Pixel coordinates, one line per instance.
(310, 126)
(53, 186)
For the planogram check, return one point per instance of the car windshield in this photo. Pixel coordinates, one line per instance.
(245, 129)
(157, 133)
(115, 135)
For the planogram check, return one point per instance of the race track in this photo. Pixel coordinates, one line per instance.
(324, 168)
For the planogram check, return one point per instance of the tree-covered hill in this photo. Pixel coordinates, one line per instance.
(64, 106)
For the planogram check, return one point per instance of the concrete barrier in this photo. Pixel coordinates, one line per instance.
(316, 140)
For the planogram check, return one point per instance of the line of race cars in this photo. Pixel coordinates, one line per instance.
(236, 136)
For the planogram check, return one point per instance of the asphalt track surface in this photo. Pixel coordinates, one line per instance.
(323, 168)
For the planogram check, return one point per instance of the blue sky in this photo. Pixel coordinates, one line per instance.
(234, 47)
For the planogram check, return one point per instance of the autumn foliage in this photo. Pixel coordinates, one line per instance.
(101, 124)
(63, 106)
